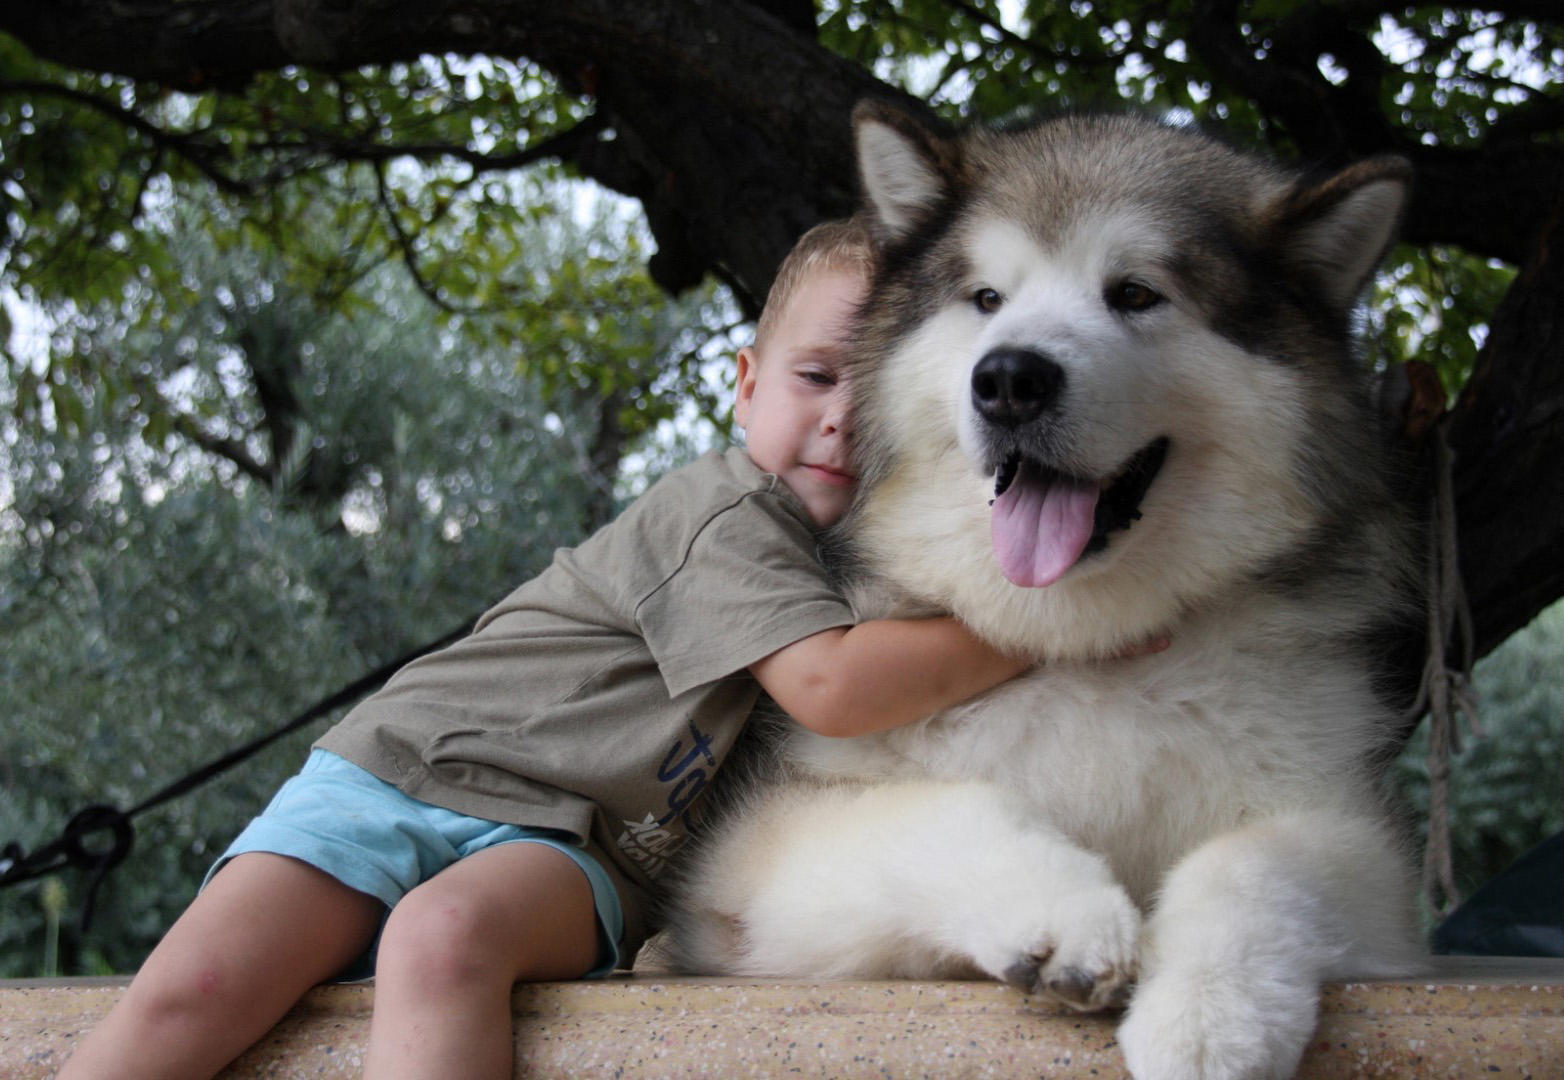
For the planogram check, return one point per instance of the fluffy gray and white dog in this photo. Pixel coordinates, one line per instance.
(1105, 390)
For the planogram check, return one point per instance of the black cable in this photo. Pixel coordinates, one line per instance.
(73, 846)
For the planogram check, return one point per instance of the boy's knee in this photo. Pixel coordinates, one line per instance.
(436, 939)
(189, 991)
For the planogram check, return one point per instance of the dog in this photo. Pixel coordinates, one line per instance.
(1106, 390)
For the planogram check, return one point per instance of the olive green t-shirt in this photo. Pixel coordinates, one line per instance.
(601, 696)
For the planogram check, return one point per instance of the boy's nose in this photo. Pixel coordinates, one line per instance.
(834, 421)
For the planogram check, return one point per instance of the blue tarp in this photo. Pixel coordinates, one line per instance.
(1518, 913)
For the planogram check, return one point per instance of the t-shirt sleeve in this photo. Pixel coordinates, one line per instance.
(749, 584)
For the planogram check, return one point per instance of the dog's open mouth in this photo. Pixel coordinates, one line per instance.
(1044, 521)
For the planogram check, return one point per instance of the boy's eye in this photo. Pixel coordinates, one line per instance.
(819, 378)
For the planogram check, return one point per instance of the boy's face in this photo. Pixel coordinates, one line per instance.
(792, 402)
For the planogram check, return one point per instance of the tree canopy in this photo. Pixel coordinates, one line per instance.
(410, 127)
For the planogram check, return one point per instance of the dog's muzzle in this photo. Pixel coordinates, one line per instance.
(1045, 520)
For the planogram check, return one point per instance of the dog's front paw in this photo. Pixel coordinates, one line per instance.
(1084, 953)
(1215, 1027)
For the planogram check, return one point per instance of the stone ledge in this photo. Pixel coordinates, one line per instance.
(1471, 1017)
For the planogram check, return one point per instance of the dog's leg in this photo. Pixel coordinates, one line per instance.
(1246, 929)
(916, 879)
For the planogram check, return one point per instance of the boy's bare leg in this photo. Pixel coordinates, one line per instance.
(456, 945)
(265, 930)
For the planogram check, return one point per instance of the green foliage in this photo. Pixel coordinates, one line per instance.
(971, 61)
(304, 403)
(160, 603)
(1449, 77)
(331, 176)
(1433, 304)
(594, 328)
(1465, 71)
(157, 613)
(1504, 787)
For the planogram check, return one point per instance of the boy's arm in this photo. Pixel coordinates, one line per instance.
(854, 680)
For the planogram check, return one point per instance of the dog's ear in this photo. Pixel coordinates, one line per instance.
(905, 167)
(1338, 230)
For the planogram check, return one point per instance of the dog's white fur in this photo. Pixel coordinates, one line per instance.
(1202, 823)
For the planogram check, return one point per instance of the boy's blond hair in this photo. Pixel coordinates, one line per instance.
(843, 245)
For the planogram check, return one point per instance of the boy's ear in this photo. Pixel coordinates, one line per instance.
(744, 385)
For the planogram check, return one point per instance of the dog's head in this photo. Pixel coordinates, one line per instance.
(1106, 369)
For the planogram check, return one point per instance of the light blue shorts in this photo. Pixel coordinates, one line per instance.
(362, 831)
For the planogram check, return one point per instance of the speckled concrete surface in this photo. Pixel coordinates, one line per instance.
(1469, 1019)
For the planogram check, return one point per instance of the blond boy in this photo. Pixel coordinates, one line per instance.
(512, 800)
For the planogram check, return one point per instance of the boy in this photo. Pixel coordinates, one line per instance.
(513, 798)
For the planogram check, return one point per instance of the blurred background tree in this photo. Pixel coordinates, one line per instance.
(1505, 792)
(322, 324)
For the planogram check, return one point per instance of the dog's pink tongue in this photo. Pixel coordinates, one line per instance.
(1040, 526)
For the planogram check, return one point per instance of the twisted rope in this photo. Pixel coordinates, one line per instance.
(1445, 692)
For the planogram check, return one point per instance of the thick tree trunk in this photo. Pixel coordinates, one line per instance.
(1507, 434)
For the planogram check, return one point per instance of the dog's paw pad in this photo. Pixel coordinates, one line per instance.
(1089, 954)
(1072, 985)
(1026, 972)
(1068, 984)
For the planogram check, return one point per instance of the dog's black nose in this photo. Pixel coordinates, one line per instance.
(1013, 386)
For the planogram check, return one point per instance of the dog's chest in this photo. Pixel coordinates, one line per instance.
(1083, 743)
(1137, 759)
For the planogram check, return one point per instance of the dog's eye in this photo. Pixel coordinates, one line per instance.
(987, 300)
(1132, 296)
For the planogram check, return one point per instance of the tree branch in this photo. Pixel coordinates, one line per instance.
(187, 145)
(680, 83)
(404, 243)
(563, 145)
(232, 450)
(1517, 179)
(1507, 432)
